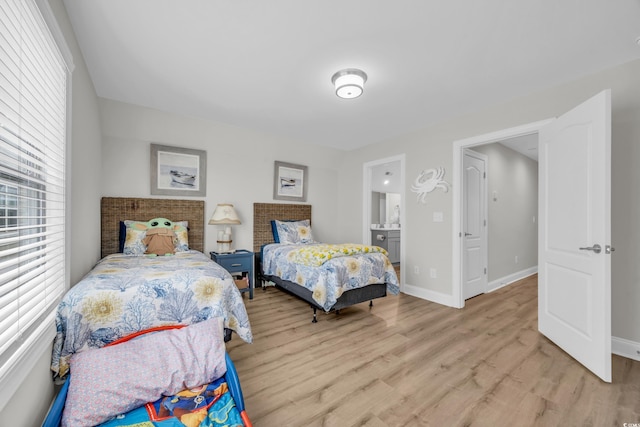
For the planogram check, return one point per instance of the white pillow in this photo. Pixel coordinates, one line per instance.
(112, 380)
(294, 231)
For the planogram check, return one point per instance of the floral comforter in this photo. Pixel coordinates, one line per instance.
(330, 280)
(124, 294)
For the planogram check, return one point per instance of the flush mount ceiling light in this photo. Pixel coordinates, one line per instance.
(349, 82)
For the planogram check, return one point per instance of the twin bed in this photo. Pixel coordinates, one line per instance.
(353, 274)
(168, 315)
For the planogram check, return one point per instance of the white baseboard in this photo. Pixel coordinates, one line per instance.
(625, 348)
(509, 279)
(433, 296)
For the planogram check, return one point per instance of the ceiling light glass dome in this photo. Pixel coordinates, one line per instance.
(349, 83)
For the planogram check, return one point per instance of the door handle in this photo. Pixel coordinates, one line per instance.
(467, 234)
(595, 248)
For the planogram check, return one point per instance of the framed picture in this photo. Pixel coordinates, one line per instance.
(290, 182)
(178, 171)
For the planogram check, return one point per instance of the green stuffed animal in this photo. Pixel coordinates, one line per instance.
(160, 237)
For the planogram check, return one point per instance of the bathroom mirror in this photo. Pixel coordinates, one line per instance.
(385, 208)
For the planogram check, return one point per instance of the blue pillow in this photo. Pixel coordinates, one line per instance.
(274, 230)
(122, 236)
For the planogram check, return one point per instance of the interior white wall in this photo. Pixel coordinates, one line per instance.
(85, 168)
(429, 244)
(511, 228)
(240, 165)
(85, 222)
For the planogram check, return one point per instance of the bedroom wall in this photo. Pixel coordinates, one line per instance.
(511, 229)
(84, 185)
(429, 244)
(240, 165)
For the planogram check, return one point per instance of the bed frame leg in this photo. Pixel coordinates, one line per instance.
(315, 319)
(370, 303)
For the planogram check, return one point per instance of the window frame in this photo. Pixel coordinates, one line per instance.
(39, 343)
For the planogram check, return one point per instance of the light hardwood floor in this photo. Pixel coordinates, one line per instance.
(409, 362)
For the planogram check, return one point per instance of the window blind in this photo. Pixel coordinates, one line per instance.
(33, 109)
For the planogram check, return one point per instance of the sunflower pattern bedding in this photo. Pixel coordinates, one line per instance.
(124, 294)
(341, 272)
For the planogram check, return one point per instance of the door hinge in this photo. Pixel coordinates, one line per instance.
(485, 270)
(484, 175)
(485, 222)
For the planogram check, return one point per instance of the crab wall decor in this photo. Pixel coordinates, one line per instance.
(427, 181)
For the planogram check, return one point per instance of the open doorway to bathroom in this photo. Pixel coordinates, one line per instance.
(383, 207)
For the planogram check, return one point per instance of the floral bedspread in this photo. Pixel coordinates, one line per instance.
(124, 294)
(330, 280)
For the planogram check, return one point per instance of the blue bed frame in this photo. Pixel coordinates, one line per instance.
(231, 377)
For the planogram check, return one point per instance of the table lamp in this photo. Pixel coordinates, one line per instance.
(224, 214)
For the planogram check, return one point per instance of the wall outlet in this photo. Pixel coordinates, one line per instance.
(416, 269)
(433, 273)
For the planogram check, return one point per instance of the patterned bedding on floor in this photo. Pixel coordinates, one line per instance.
(209, 405)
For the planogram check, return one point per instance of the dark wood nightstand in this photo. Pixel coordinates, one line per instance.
(240, 261)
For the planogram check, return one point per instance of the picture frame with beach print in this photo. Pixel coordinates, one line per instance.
(177, 171)
(290, 182)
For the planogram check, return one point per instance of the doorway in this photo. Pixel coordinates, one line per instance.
(574, 282)
(458, 196)
(500, 233)
(383, 222)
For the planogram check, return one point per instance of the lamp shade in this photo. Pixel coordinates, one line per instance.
(224, 214)
(349, 83)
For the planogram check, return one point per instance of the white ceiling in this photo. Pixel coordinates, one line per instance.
(525, 144)
(385, 178)
(267, 65)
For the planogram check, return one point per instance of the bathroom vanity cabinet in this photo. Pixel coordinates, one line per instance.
(388, 239)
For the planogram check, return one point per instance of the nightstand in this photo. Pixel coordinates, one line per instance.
(240, 261)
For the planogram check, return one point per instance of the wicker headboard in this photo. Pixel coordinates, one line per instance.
(263, 213)
(116, 209)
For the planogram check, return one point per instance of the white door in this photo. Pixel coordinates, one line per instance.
(474, 233)
(574, 283)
